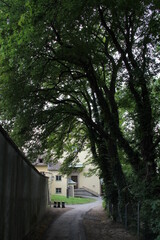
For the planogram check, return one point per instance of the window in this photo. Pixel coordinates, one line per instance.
(40, 160)
(58, 190)
(58, 178)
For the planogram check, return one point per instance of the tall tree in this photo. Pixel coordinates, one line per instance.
(82, 73)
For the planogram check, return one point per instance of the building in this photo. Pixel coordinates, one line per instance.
(78, 183)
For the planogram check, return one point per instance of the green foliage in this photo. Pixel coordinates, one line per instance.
(86, 80)
(151, 211)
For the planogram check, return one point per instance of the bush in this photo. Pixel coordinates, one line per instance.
(151, 216)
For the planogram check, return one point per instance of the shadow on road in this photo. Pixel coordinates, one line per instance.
(78, 222)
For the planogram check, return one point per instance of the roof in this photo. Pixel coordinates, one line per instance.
(71, 182)
(79, 165)
(39, 164)
(54, 167)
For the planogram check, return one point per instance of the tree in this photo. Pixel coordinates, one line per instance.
(86, 79)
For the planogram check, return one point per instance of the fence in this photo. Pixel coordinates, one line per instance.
(129, 217)
(23, 192)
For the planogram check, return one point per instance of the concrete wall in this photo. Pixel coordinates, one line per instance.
(53, 184)
(59, 184)
(92, 182)
(23, 192)
(42, 168)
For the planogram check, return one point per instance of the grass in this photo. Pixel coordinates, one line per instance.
(71, 200)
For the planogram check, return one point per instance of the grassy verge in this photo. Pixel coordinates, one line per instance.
(71, 200)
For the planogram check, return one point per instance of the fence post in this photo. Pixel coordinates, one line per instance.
(126, 216)
(110, 209)
(138, 219)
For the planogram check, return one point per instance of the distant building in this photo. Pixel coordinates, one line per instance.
(78, 183)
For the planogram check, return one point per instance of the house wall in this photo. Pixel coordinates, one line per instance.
(92, 182)
(53, 184)
(41, 168)
(59, 184)
(23, 192)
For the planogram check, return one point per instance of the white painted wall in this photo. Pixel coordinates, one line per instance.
(59, 184)
(92, 182)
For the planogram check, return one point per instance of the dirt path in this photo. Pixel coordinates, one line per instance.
(99, 227)
(81, 222)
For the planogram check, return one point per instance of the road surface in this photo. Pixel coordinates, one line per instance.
(68, 226)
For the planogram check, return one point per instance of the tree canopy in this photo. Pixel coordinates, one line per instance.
(84, 74)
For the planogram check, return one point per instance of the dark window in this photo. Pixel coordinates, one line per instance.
(58, 178)
(40, 160)
(75, 179)
(58, 190)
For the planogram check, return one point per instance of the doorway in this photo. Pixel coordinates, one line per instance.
(75, 179)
